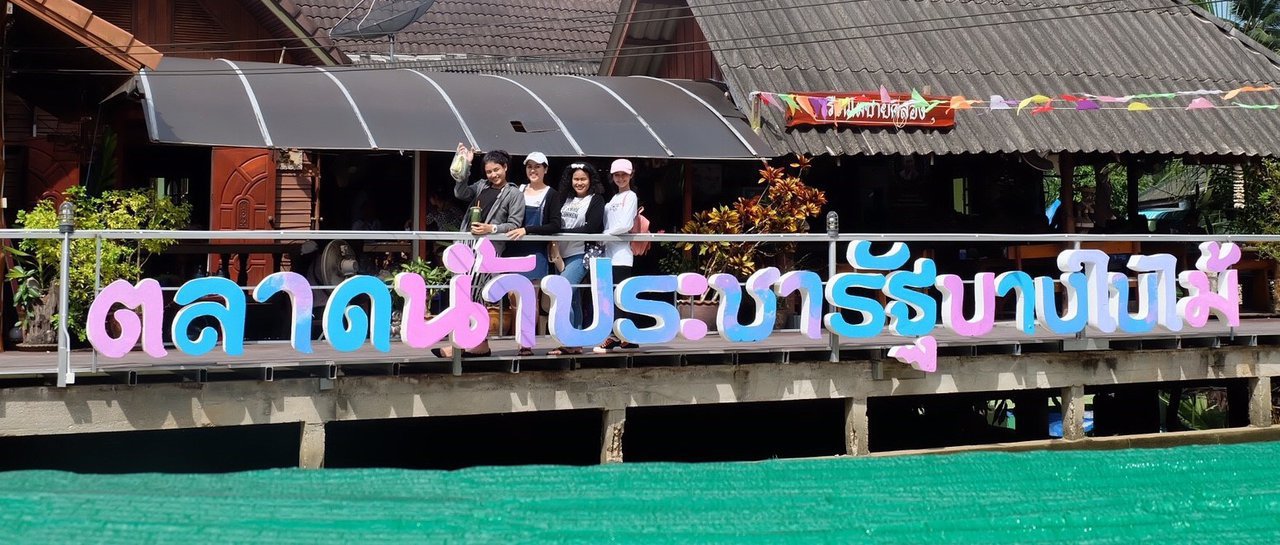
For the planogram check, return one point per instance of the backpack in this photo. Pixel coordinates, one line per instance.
(640, 226)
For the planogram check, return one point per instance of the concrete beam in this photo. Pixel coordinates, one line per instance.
(1260, 402)
(1073, 413)
(615, 421)
(311, 451)
(856, 427)
(108, 408)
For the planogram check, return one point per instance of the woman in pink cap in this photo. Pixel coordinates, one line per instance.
(619, 216)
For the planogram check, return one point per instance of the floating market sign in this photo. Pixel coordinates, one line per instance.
(1093, 297)
(868, 109)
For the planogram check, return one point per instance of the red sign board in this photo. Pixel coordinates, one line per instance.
(867, 109)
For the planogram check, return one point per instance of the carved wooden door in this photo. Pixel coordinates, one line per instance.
(244, 198)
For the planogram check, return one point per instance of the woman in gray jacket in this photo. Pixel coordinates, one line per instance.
(501, 209)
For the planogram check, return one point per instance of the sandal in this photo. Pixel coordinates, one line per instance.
(439, 353)
(564, 351)
(524, 351)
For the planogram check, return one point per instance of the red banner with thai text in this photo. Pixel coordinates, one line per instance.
(868, 109)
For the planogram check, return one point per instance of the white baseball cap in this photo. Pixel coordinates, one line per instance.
(621, 165)
(537, 157)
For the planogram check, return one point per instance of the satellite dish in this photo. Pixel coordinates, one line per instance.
(384, 18)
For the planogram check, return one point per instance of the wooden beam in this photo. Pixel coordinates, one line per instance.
(1066, 193)
(82, 25)
(1133, 173)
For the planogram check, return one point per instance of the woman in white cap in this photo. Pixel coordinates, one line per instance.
(541, 217)
(619, 216)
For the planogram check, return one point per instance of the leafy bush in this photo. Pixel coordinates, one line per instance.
(121, 259)
(785, 206)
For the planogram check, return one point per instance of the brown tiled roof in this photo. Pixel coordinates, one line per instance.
(560, 30)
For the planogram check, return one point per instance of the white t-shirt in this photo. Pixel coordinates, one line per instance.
(619, 217)
(574, 214)
(534, 200)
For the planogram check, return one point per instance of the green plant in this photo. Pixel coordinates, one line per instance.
(433, 275)
(785, 206)
(121, 259)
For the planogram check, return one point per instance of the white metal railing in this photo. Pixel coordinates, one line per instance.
(831, 238)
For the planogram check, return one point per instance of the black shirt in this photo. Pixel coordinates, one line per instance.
(485, 200)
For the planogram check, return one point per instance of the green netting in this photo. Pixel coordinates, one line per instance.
(1225, 494)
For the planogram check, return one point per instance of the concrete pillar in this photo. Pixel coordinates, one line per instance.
(611, 448)
(1073, 413)
(856, 427)
(311, 452)
(1260, 402)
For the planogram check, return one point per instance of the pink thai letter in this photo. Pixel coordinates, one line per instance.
(146, 297)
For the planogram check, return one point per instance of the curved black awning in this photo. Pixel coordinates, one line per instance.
(232, 103)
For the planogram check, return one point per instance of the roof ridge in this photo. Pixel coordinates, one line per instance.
(996, 73)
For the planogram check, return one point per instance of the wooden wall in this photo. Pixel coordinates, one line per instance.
(165, 24)
(692, 60)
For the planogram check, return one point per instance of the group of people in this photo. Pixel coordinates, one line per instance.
(578, 204)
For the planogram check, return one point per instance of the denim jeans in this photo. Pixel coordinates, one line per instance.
(574, 272)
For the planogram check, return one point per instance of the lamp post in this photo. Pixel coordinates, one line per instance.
(66, 226)
(833, 231)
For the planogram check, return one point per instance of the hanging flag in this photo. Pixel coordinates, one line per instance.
(884, 96)
(1105, 98)
(1246, 89)
(1086, 104)
(1138, 107)
(1201, 92)
(1156, 95)
(1070, 98)
(1200, 103)
(1034, 99)
(790, 101)
(1042, 109)
(806, 104)
(958, 102)
(858, 109)
(1258, 106)
(998, 103)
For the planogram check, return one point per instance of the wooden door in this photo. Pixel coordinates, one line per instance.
(244, 198)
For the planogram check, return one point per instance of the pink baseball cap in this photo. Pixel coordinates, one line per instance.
(621, 165)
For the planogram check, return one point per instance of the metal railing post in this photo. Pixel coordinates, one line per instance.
(97, 288)
(66, 225)
(833, 230)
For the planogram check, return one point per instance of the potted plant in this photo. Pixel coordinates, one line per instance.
(36, 297)
(432, 275)
(785, 205)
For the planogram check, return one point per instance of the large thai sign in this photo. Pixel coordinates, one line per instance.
(868, 109)
(1091, 297)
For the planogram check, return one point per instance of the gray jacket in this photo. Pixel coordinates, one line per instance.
(507, 212)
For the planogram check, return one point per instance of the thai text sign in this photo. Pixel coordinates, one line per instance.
(869, 109)
(1092, 297)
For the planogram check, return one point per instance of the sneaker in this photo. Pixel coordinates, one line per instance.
(608, 344)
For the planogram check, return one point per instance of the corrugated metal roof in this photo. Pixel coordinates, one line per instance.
(1013, 48)
(560, 29)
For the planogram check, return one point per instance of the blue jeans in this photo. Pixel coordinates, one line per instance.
(574, 272)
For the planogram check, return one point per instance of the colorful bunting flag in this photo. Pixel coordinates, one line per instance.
(884, 96)
(998, 103)
(1086, 104)
(1246, 89)
(1138, 107)
(1042, 109)
(1036, 99)
(1258, 106)
(1200, 103)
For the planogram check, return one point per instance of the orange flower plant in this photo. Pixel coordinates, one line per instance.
(785, 206)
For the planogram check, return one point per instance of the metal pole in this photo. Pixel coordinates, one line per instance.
(833, 230)
(66, 225)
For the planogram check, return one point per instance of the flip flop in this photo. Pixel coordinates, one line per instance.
(564, 351)
(525, 351)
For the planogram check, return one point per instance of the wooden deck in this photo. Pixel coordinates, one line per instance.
(264, 361)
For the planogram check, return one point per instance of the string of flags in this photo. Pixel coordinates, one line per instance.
(836, 107)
